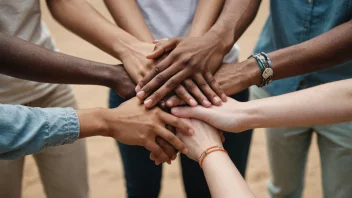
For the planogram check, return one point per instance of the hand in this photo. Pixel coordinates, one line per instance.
(229, 116)
(135, 61)
(132, 124)
(234, 78)
(123, 84)
(195, 58)
(204, 136)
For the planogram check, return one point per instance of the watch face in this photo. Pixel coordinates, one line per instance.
(267, 73)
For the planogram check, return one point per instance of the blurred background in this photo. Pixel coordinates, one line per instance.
(106, 177)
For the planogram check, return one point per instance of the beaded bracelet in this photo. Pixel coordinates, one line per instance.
(208, 151)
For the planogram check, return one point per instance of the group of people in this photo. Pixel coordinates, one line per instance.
(170, 94)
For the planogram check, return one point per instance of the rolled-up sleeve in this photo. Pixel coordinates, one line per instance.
(25, 130)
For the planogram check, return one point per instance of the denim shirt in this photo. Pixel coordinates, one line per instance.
(25, 130)
(294, 21)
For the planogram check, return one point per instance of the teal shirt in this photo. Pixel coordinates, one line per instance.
(294, 21)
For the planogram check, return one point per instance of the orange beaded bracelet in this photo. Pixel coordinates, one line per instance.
(208, 151)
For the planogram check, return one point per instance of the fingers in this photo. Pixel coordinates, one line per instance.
(215, 86)
(167, 148)
(152, 75)
(197, 93)
(159, 154)
(183, 94)
(174, 101)
(163, 47)
(203, 85)
(197, 112)
(167, 87)
(172, 139)
(156, 41)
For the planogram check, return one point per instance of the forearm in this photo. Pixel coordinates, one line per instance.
(128, 16)
(324, 104)
(223, 178)
(234, 19)
(25, 60)
(206, 15)
(82, 19)
(324, 51)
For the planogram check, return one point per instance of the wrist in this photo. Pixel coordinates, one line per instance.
(92, 122)
(224, 39)
(123, 47)
(248, 115)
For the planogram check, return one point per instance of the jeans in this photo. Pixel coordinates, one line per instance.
(143, 177)
(288, 149)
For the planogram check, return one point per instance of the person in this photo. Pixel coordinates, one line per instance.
(301, 36)
(22, 19)
(222, 176)
(131, 41)
(37, 129)
(325, 104)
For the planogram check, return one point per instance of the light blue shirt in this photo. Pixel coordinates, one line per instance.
(294, 21)
(25, 130)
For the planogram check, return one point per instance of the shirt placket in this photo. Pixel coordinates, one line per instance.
(307, 26)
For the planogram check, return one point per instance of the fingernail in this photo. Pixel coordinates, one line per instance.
(140, 94)
(185, 151)
(190, 131)
(148, 102)
(217, 99)
(138, 88)
(224, 97)
(192, 102)
(206, 103)
(170, 103)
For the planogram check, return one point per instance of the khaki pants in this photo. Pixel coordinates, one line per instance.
(63, 169)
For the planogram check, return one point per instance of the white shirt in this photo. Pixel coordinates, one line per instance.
(173, 18)
(22, 18)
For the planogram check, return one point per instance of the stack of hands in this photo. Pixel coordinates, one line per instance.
(169, 77)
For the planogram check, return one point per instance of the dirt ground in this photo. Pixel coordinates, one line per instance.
(105, 168)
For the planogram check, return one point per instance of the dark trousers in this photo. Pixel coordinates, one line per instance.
(143, 177)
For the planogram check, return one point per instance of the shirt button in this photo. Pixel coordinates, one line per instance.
(302, 83)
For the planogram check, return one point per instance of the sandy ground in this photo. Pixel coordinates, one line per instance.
(105, 168)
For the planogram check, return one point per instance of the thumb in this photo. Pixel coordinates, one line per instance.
(198, 112)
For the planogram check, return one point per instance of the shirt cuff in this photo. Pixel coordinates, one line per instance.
(62, 126)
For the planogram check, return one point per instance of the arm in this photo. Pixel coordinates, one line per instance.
(25, 60)
(221, 174)
(128, 16)
(39, 128)
(325, 104)
(324, 51)
(93, 27)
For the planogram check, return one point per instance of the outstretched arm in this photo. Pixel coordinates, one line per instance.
(325, 104)
(324, 51)
(25, 60)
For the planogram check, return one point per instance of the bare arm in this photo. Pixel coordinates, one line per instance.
(221, 174)
(128, 16)
(325, 104)
(324, 51)
(23, 59)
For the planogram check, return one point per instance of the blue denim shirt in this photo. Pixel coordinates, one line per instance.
(25, 130)
(294, 21)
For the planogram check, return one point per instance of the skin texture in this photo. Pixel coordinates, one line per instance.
(132, 124)
(325, 104)
(23, 59)
(221, 174)
(202, 55)
(128, 16)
